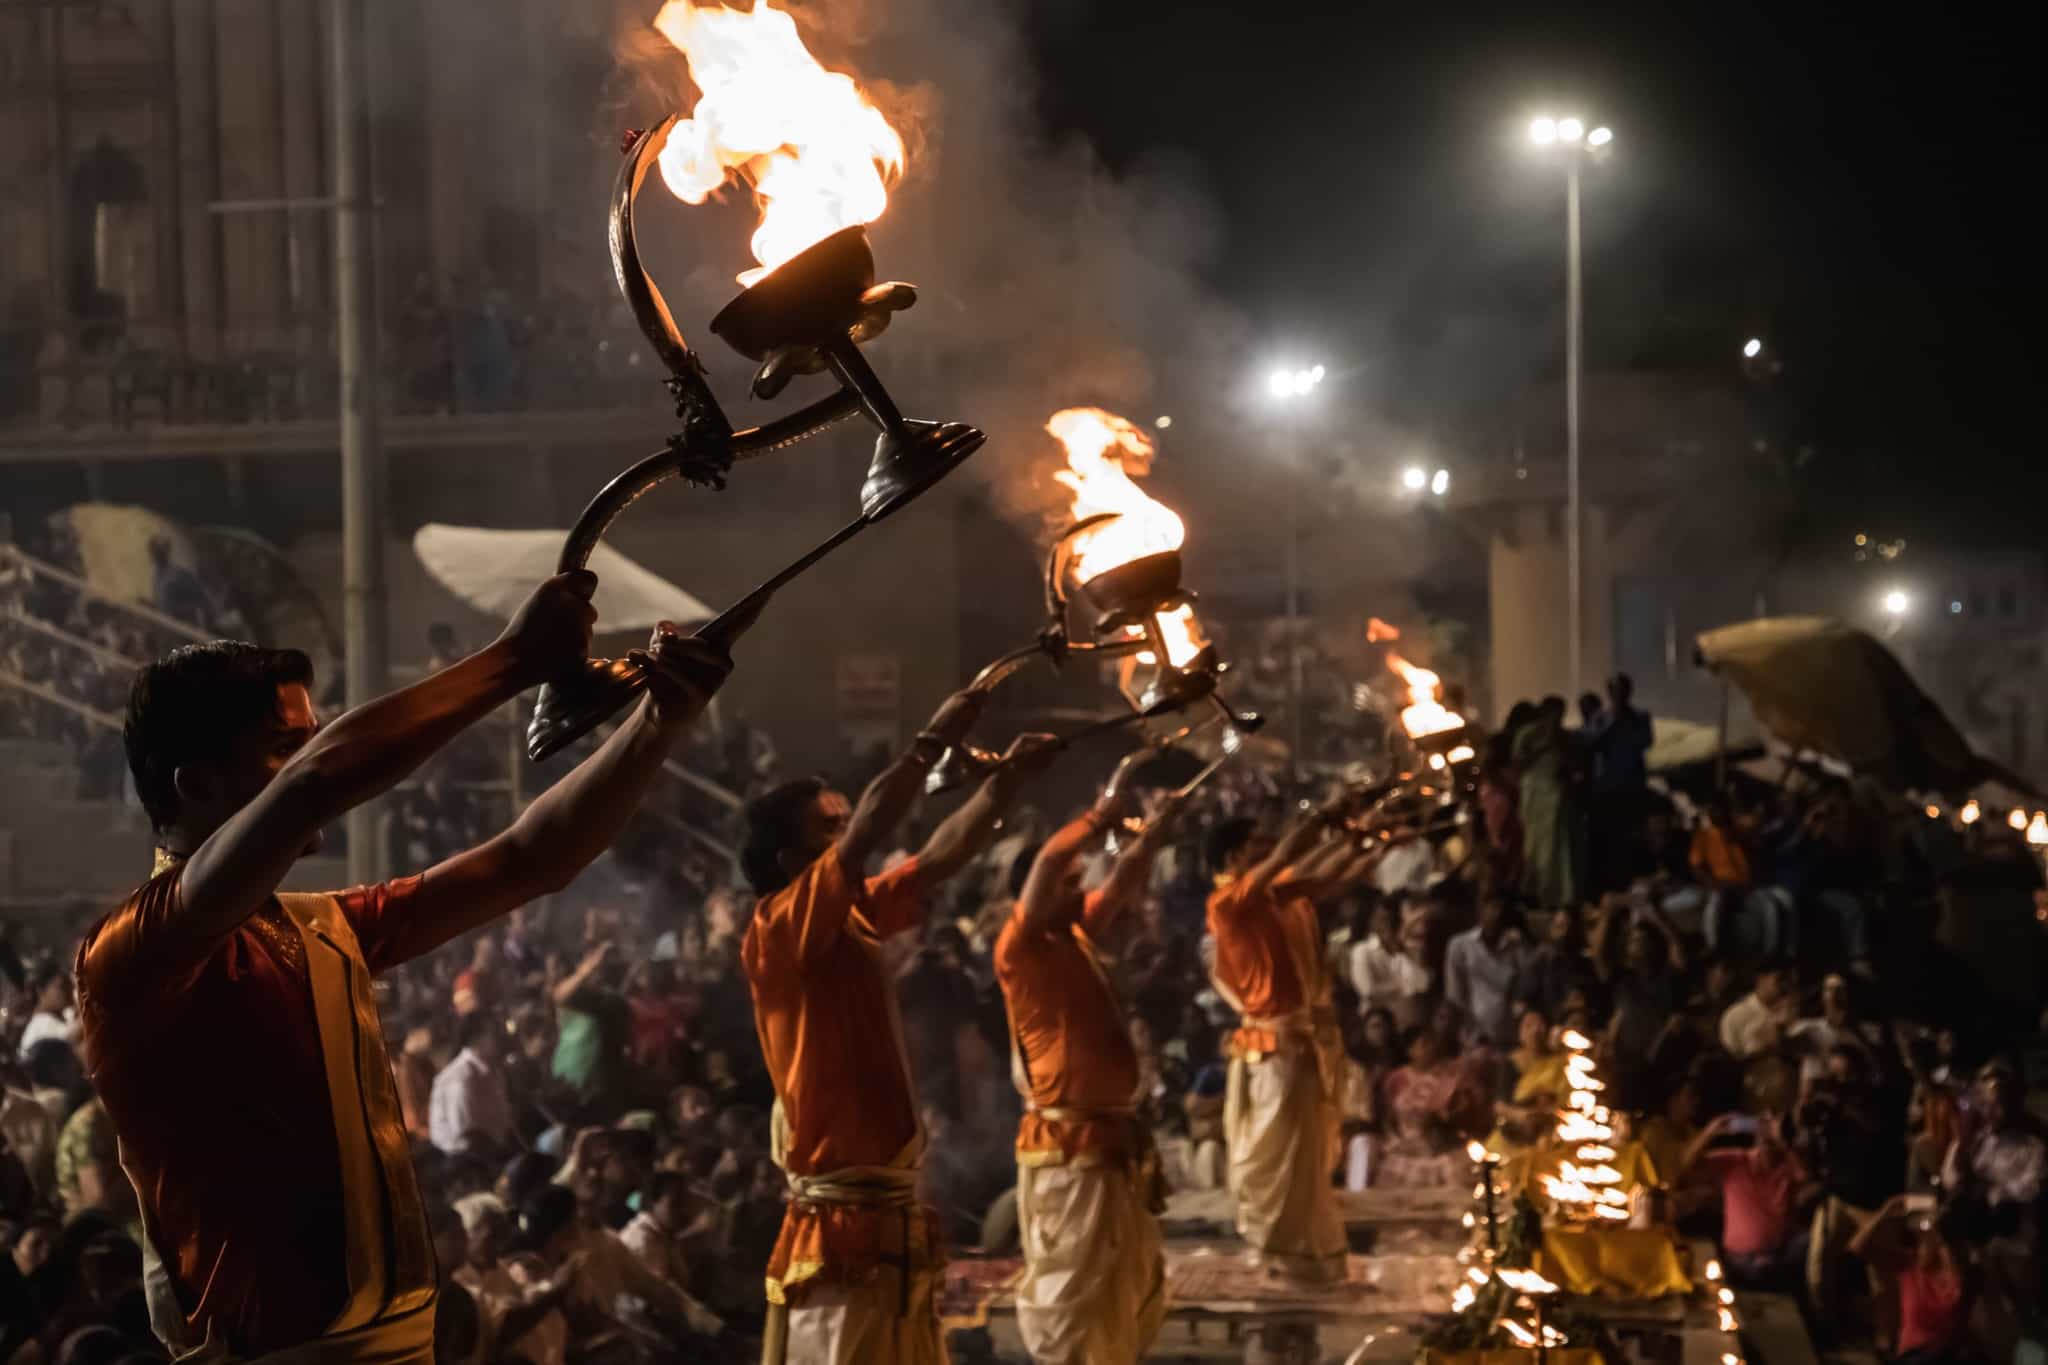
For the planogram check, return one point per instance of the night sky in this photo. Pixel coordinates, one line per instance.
(1853, 189)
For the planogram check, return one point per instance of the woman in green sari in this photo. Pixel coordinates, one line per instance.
(1551, 874)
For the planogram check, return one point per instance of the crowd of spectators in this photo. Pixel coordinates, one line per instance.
(590, 1111)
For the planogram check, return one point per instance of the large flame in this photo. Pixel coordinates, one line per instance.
(1424, 714)
(1098, 443)
(818, 155)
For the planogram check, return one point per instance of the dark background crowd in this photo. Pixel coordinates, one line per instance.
(1818, 1082)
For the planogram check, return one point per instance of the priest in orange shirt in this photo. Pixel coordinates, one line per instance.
(231, 1029)
(1088, 1187)
(1280, 1114)
(853, 1277)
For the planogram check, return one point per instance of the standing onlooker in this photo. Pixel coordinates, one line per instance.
(1620, 737)
(470, 1112)
(1481, 969)
(1551, 874)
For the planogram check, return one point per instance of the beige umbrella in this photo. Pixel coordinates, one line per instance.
(494, 571)
(1818, 684)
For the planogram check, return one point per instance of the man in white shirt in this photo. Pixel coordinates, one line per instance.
(1387, 971)
(1481, 970)
(54, 1016)
(469, 1107)
(1836, 1026)
(1756, 1023)
(656, 1233)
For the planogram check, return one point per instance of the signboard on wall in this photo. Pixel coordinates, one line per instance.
(869, 688)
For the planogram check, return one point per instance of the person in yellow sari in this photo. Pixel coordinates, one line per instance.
(1529, 1113)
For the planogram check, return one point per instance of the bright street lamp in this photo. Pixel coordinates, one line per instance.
(1752, 348)
(1897, 603)
(1414, 479)
(1440, 482)
(1577, 145)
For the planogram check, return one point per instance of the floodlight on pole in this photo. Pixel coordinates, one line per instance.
(1287, 384)
(1575, 145)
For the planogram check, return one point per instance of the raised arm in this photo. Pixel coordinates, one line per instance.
(369, 750)
(565, 990)
(968, 830)
(889, 797)
(570, 823)
(1322, 873)
(1294, 844)
(1133, 867)
(1047, 899)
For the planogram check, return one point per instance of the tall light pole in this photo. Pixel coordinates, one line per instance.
(1289, 387)
(362, 482)
(1569, 136)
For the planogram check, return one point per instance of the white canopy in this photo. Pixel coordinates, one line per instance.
(493, 571)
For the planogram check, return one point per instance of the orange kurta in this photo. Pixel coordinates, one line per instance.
(230, 1078)
(1267, 958)
(826, 1014)
(1074, 1046)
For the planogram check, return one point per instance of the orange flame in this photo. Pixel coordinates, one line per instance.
(1377, 630)
(1424, 714)
(1103, 450)
(1183, 635)
(819, 156)
(1097, 444)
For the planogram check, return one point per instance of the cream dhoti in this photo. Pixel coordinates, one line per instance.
(1093, 1291)
(1278, 1124)
(887, 1311)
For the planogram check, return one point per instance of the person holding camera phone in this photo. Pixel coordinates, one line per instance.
(1763, 1184)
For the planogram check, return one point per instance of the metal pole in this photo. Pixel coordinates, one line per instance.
(1294, 716)
(362, 484)
(1574, 544)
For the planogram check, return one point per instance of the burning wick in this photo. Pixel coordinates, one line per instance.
(817, 154)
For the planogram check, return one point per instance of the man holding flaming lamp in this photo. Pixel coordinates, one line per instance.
(231, 1028)
(854, 1275)
(1093, 1290)
(1280, 1112)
